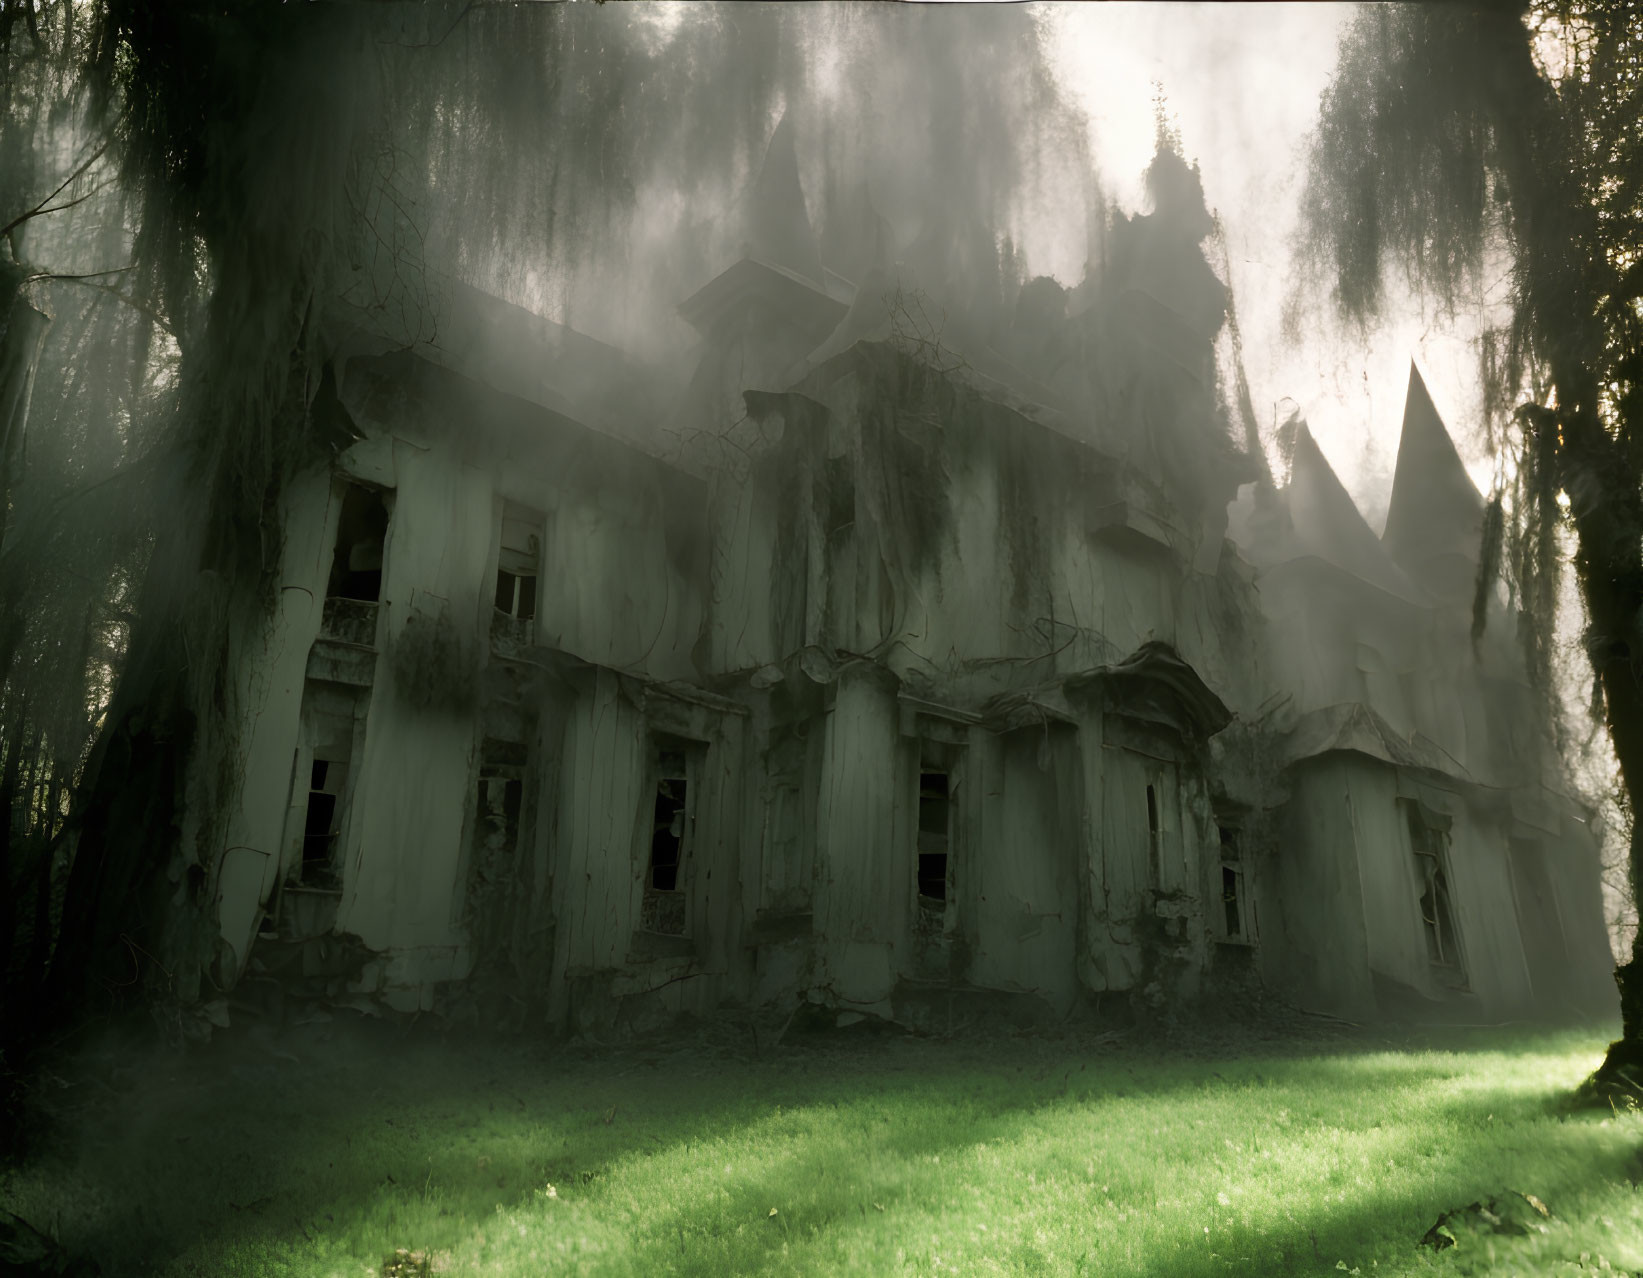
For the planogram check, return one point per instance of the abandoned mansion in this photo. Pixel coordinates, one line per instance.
(907, 648)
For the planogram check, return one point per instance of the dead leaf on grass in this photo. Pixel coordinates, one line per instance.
(405, 1263)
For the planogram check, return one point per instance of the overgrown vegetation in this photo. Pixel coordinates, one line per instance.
(727, 1154)
(196, 200)
(1452, 133)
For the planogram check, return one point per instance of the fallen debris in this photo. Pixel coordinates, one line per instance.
(407, 1264)
(1513, 1212)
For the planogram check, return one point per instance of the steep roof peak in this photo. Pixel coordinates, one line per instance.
(1436, 512)
(1327, 523)
(778, 224)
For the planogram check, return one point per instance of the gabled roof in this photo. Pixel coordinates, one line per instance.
(798, 300)
(1436, 509)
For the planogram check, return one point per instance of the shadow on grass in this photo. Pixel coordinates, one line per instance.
(373, 1144)
(707, 1234)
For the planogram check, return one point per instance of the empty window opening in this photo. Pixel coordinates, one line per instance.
(362, 528)
(672, 818)
(497, 874)
(322, 822)
(321, 795)
(1232, 885)
(934, 835)
(1429, 845)
(518, 563)
(499, 803)
(516, 595)
(667, 840)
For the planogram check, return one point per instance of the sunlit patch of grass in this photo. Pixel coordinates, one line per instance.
(1009, 1156)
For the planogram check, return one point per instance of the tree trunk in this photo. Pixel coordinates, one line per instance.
(1617, 667)
(1608, 517)
(1557, 233)
(22, 333)
(129, 805)
(10, 793)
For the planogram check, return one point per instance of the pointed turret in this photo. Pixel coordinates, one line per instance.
(778, 225)
(1434, 524)
(777, 291)
(1327, 523)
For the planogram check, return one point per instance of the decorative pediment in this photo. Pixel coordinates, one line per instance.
(1153, 683)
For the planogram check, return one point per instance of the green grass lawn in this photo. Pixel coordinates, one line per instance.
(997, 1154)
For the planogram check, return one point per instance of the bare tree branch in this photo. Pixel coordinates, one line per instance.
(142, 308)
(41, 207)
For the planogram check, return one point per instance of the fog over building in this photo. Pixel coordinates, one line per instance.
(933, 637)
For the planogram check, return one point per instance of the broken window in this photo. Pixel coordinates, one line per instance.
(321, 789)
(362, 528)
(934, 837)
(322, 822)
(1234, 903)
(672, 818)
(499, 802)
(355, 585)
(517, 565)
(1429, 842)
(497, 872)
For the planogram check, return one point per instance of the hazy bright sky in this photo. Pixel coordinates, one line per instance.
(1242, 82)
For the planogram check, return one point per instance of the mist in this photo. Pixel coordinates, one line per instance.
(580, 552)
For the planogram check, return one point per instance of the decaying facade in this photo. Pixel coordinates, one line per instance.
(882, 663)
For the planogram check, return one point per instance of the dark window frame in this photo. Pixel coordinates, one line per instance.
(362, 507)
(1434, 899)
(672, 804)
(935, 846)
(1235, 919)
(517, 594)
